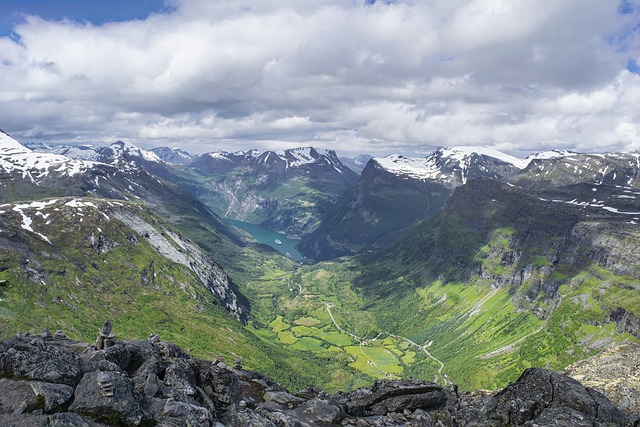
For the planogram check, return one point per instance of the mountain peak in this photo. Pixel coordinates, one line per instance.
(551, 154)
(449, 164)
(10, 146)
(461, 153)
(120, 148)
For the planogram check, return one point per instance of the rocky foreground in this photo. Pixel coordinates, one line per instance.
(54, 381)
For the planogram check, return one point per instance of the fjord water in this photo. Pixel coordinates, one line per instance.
(268, 237)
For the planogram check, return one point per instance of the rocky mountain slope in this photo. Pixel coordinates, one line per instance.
(285, 191)
(55, 381)
(614, 372)
(59, 243)
(395, 192)
(120, 171)
(506, 277)
(565, 168)
(174, 156)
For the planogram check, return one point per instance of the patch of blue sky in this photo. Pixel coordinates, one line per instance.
(96, 12)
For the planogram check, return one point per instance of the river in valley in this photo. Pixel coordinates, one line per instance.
(269, 237)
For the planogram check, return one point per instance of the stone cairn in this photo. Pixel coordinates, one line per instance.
(105, 338)
(105, 384)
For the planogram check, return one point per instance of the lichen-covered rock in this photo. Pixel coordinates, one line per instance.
(180, 375)
(319, 411)
(67, 419)
(39, 360)
(615, 372)
(54, 395)
(182, 413)
(541, 395)
(16, 397)
(119, 403)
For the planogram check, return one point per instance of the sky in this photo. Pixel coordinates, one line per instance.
(356, 76)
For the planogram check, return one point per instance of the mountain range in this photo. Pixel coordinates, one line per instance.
(394, 192)
(467, 265)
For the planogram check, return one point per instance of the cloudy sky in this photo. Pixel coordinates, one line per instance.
(357, 76)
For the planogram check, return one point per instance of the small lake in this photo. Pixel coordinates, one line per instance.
(268, 237)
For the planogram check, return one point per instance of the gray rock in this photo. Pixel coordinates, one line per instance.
(55, 395)
(187, 414)
(180, 375)
(16, 396)
(540, 395)
(36, 359)
(282, 398)
(67, 419)
(105, 338)
(91, 400)
(245, 418)
(319, 410)
(395, 396)
(138, 382)
(151, 386)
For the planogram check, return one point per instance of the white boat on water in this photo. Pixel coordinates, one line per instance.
(278, 242)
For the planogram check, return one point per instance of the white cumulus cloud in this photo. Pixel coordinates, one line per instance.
(385, 77)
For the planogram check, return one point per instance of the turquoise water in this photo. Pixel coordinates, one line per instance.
(268, 237)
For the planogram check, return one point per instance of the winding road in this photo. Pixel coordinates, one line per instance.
(362, 342)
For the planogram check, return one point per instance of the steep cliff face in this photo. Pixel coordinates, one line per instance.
(395, 192)
(373, 213)
(488, 223)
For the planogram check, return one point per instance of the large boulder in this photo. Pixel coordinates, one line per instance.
(36, 359)
(540, 395)
(108, 396)
(396, 396)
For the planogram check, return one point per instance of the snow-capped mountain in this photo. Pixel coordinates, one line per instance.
(567, 168)
(272, 161)
(18, 160)
(174, 155)
(122, 150)
(394, 192)
(551, 154)
(125, 173)
(453, 164)
(285, 190)
(77, 152)
(116, 153)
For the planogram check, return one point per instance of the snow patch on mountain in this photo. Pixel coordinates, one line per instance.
(415, 168)
(16, 158)
(9, 145)
(297, 157)
(27, 220)
(443, 163)
(552, 154)
(125, 148)
(464, 154)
